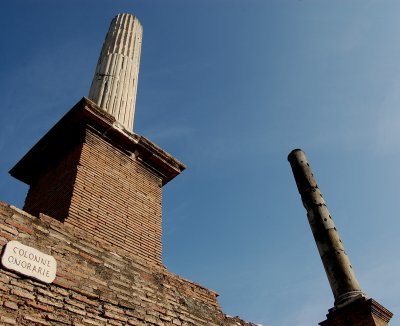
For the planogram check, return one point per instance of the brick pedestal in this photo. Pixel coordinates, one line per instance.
(92, 174)
(362, 312)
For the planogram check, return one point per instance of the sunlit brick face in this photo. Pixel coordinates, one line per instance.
(105, 191)
(117, 199)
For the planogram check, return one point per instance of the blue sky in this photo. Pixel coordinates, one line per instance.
(230, 87)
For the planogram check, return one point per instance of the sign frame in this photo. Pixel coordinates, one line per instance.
(29, 261)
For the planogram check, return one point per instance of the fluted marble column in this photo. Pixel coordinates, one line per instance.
(338, 268)
(114, 85)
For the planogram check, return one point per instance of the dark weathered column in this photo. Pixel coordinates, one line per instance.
(338, 268)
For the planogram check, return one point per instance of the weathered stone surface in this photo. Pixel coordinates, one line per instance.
(351, 305)
(114, 85)
(341, 276)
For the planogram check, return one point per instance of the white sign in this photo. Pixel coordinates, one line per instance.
(29, 261)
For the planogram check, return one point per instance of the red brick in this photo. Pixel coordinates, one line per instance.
(22, 284)
(88, 293)
(59, 318)
(19, 226)
(4, 278)
(51, 302)
(22, 294)
(10, 304)
(8, 320)
(75, 310)
(40, 306)
(92, 322)
(36, 320)
(8, 229)
(84, 299)
(7, 236)
(113, 315)
(88, 257)
(63, 283)
(62, 273)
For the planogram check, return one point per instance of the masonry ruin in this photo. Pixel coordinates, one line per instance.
(92, 215)
(86, 249)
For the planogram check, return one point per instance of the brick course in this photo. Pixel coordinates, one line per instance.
(116, 199)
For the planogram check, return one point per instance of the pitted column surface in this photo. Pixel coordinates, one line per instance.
(338, 268)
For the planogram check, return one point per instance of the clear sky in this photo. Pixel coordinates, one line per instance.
(230, 87)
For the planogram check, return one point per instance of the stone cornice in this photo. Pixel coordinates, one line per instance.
(68, 132)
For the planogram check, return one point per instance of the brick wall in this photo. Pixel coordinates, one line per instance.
(98, 187)
(116, 199)
(51, 191)
(96, 285)
(95, 198)
(89, 173)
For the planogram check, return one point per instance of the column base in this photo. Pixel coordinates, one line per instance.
(361, 312)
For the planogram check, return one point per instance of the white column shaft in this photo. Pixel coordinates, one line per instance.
(114, 84)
